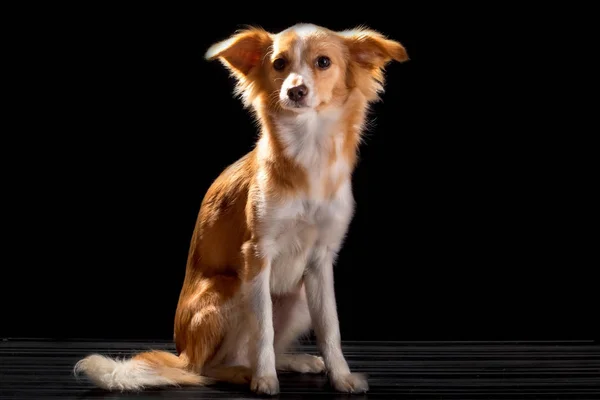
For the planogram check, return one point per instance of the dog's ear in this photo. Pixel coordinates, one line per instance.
(370, 49)
(369, 53)
(243, 51)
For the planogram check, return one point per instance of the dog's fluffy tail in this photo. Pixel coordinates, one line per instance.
(144, 370)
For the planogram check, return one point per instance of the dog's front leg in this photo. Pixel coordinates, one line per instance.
(322, 304)
(264, 376)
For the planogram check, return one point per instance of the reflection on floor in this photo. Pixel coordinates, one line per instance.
(38, 369)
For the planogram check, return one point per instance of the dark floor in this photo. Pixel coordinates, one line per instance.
(37, 369)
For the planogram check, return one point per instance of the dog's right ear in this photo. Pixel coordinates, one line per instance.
(243, 51)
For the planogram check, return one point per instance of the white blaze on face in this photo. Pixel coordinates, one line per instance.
(300, 71)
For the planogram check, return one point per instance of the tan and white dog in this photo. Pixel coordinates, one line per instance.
(260, 265)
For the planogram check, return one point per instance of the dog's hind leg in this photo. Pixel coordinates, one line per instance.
(203, 318)
(237, 374)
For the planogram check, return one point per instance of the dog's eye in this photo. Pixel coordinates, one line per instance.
(279, 64)
(323, 62)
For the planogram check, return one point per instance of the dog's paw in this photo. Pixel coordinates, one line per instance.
(302, 363)
(350, 383)
(265, 385)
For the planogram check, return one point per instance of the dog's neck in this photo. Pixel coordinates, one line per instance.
(310, 138)
(312, 152)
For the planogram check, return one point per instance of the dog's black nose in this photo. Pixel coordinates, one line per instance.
(297, 92)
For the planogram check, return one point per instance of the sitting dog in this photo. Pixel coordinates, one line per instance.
(260, 265)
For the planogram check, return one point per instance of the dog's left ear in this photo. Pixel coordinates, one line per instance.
(370, 49)
(243, 51)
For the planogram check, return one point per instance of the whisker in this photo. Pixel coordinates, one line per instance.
(267, 53)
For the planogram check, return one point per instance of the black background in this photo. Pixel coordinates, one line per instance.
(471, 218)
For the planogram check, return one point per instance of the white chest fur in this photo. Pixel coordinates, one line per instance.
(293, 230)
(296, 229)
(310, 139)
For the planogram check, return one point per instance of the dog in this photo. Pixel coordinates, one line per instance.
(259, 273)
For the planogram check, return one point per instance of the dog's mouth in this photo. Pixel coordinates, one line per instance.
(294, 105)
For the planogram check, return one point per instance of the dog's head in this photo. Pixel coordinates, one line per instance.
(306, 66)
